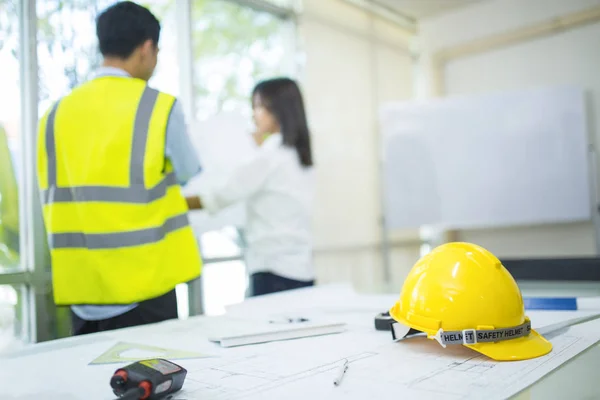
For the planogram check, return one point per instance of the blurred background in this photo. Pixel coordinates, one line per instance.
(353, 58)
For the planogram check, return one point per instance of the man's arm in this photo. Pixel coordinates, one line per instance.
(179, 148)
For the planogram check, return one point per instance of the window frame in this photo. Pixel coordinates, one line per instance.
(33, 274)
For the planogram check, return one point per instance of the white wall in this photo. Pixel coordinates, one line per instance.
(567, 57)
(354, 62)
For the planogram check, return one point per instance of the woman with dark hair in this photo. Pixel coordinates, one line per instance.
(278, 188)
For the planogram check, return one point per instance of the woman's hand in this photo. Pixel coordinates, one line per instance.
(194, 203)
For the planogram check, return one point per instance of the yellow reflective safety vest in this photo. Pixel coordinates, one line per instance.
(116, 219)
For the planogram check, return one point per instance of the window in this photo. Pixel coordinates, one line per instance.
(12, 317)
(10, 137)
(223, 283)
(224, 279)
(234, 46)
(166, 75)
(13, 321)
(68, 48)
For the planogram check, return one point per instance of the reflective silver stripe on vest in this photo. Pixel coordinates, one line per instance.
(51, 146)
(136, 192)
(140, 135)
(97, 241)
(473, 336)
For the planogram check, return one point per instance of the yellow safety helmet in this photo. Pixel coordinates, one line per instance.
(460, 293)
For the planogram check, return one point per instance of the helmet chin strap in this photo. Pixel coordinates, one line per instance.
(466, 336)
(474, 336)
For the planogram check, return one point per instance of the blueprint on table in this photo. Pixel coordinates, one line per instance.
(416, 368)
(296, 369)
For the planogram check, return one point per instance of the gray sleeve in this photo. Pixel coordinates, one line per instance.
(179, 148)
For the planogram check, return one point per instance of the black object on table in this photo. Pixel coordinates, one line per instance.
(148, 380)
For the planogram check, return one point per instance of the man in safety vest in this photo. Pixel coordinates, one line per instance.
(111, 156)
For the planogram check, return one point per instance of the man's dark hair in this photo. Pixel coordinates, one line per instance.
(125, 26)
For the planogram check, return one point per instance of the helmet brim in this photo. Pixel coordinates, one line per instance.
(524, 348)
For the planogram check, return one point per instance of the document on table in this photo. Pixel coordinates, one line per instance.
(414, 368)
(298, 369)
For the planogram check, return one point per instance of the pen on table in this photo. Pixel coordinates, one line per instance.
(341, 373)
(288, 320)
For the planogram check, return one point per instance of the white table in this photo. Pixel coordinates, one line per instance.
(577, 379)
(63, 364)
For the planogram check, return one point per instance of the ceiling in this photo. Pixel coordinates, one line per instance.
(417, 9)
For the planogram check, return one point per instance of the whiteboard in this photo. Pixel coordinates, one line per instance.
(222, 143)
(502, 159)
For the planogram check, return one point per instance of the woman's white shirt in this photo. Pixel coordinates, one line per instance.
(278, 192)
